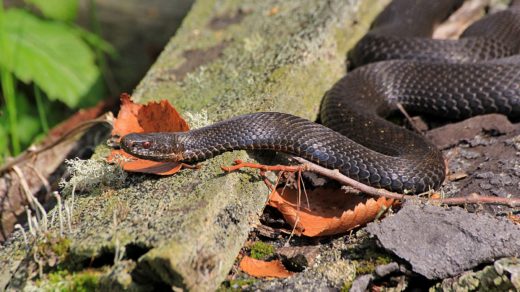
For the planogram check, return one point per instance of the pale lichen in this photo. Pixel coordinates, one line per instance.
(89, 174)
(197, 119)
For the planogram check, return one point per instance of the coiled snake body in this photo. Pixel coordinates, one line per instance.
(480, 73)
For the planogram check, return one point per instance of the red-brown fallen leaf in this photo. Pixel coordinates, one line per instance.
(126, 121)
(152, 117)
(259, 268)
(79, 117)
(331, 210)
(514, 218)
(436, 196)
(141, 165)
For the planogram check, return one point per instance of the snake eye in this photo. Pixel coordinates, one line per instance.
(146, 144)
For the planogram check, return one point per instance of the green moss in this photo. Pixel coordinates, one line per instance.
(364, 267)
(64, 281)
(57, 277)
(61, 246)
(368, 265)
(85, 282)
(378, 256)
(369, 259)
(242, 282)
(368, 10)
(52, 250)
(261, 250)
(346, 286)
(303, 85)
(261, 67)
(236, 285)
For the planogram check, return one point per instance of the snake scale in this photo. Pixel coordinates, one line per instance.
(396, 62)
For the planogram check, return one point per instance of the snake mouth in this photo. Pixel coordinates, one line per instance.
(147, 155)
(169, 157)
(151, 154)
(152, 146)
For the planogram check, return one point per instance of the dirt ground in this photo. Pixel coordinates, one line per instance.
(483, 156)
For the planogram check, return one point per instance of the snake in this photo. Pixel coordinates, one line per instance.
(396, 63)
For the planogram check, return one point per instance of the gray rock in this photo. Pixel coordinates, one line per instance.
(440, 243)
(361, 283)
(384, 270)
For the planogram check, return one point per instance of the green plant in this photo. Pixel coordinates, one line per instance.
(261, 250)
(63, 280)
(54, 57)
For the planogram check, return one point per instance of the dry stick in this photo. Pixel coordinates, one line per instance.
(240, 164)
(44, 180)
(336, 175)
(105, 119)
(472, 199)
(408, 118)
(41, 214)
(306, 195)
(273, 190)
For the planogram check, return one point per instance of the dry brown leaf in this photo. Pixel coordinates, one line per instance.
(436, 196)
(152, 117)
(79, 117)
(263, 269)
(514, 218)
(331, 210)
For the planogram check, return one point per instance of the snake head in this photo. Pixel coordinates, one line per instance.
(153, 146)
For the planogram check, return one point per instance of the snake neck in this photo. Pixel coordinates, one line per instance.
(396, 170)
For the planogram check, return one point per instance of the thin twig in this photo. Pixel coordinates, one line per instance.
(273, 190)
(41, 214)
(408, 118)
(241, 164)
(472, 199)
(43, 179)
(105, 119)
(344, 180)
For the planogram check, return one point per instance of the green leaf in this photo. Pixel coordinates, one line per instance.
(65, 10)
(23, 108)
(50, 54)
(27, 124)
(4, 141)
(96, 41)
(28, 127)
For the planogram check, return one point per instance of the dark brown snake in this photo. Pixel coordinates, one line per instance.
(455, 79)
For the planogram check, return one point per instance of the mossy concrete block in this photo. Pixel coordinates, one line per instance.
(236, 57)
(228, 58)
